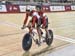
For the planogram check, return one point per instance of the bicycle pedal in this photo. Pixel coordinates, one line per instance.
(38, 43)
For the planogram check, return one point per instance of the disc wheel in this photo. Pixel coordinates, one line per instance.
(27, 42)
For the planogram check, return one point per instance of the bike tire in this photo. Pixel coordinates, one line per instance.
(49, 40)
(27, 42)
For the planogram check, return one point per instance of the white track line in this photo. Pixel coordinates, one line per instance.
(10, 24)
(70, 40)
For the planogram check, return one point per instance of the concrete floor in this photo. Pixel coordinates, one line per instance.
(62, 24)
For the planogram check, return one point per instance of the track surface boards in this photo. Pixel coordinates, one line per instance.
(62, 24)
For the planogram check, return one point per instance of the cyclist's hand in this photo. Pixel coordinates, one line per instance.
(23, 27)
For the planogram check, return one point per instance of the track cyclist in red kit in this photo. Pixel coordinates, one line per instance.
(38, 19)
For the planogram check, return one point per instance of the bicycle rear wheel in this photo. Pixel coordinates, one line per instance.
(49, 37)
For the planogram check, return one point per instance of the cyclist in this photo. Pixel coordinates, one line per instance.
(44, 18)
(35, 20)
(44, 21)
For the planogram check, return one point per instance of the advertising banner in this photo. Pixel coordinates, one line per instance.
(67, 8)
(22, 8)
(13, 8)
(57, 8)
(9, 8)
(46, 8)
(3, 8)
(72, 7)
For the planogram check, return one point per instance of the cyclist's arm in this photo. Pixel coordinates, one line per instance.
(33, 21)
(26, 19)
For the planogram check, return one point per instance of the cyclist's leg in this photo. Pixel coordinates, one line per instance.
(45, 24)
(39, 33)
(32, 24)
(38, 23)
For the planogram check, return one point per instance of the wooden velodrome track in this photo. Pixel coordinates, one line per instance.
(11, 35)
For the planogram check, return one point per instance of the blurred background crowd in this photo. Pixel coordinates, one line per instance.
(37, 1)
(45, 1)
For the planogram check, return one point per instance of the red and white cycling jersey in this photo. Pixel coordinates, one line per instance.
(35, 17)
(36, 14)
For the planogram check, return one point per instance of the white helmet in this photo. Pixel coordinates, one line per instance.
(28, 7)
(32, 8)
